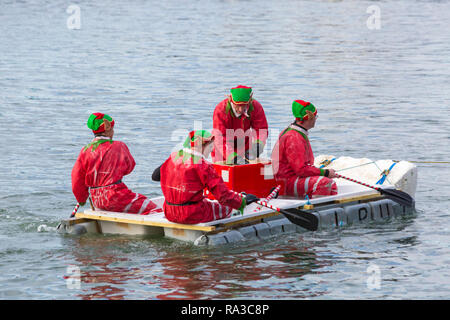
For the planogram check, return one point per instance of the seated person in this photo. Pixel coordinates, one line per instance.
(99, 170)
(185, 175)
(293, 159)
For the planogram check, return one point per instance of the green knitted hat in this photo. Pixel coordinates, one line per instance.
(193, 135)
(299, 108)
(241, 94)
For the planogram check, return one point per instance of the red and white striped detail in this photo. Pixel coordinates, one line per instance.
(75, 210)
(263, 203)
(269, 197)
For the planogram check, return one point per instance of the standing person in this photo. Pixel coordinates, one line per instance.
(185, 175)
(293, 158)
(99, 170)
(240, 127)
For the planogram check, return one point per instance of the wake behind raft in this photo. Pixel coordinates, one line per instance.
(371, 191)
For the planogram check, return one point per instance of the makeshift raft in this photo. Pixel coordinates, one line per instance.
(354, 204)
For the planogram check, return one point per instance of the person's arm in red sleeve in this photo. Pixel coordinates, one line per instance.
(295, 153)
(260, 130)
(128, 159)
(222, 147)
(79, 188)
(259, 122)
(211, 179)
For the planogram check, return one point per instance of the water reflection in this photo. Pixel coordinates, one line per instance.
(183, 271)
(243, 272)
(96, 257)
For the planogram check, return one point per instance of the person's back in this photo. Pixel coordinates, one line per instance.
(292, 155)
(102, 155)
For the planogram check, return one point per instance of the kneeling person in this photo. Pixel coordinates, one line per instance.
(186, 174)
(100, 168)
(293, 158)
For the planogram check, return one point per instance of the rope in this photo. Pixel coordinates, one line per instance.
(356, 166)
(440, 162)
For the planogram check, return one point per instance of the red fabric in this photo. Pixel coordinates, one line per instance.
(241, 87)
(183, 182)
(311, 186)
(103, 167)
(303, 103)
(224, 119)
(293, 163)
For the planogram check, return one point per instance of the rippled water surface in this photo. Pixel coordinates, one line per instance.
(156, 66)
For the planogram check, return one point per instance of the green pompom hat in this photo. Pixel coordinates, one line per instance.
(300, 108)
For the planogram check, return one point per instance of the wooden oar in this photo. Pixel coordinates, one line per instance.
(397, 195)
(299, 217)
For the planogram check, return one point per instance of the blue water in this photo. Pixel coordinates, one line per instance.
(157, 67)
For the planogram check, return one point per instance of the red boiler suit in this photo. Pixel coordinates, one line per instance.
(224, 118)
(100, 172)
(184, 176)
(293, 163)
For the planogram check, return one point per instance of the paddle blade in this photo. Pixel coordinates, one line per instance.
(301, 218)
(398, 196)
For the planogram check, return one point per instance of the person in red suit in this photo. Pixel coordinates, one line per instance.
(99, 169)
(185, 175)
(293, 158)
(240, 127)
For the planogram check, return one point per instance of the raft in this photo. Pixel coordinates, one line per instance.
(354, 204)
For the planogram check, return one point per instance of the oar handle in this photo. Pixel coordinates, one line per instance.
(356, 181)
(273, 193)
(75, 210)
(263, 203)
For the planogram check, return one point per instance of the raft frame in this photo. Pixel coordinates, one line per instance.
(254, 222)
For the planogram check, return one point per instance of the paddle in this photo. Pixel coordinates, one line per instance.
(397, 195)
(299, 217)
